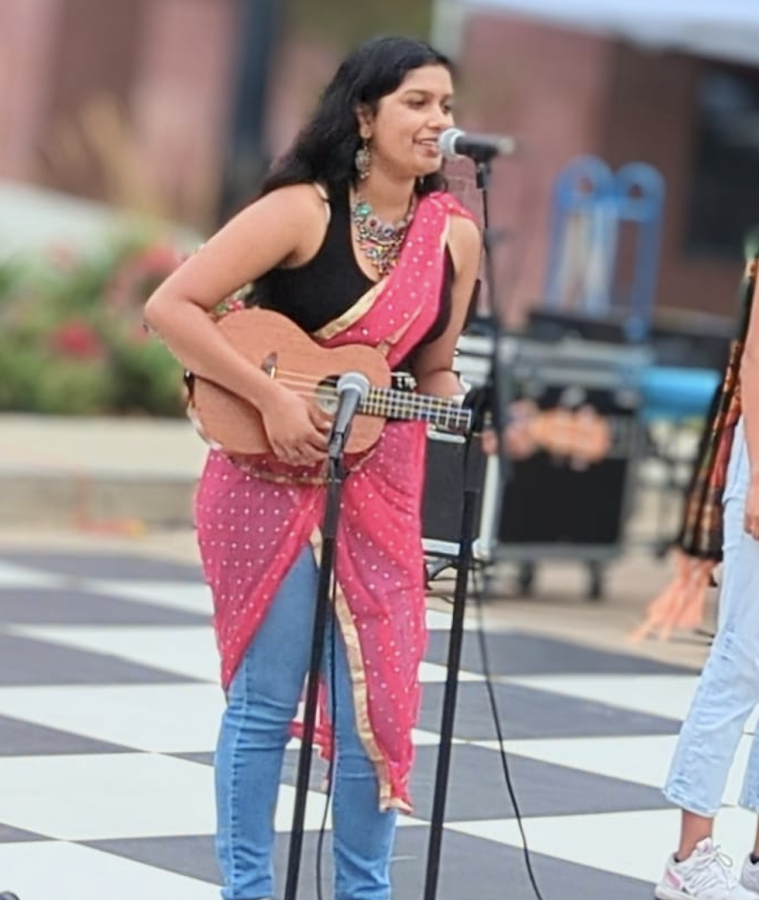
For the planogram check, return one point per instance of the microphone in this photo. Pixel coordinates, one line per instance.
(352, 388)
(454, 142)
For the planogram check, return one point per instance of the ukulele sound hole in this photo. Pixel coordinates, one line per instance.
(326, 394)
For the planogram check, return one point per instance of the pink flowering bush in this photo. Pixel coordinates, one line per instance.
(71, 333)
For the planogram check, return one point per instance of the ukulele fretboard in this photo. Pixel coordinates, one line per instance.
(393, 404)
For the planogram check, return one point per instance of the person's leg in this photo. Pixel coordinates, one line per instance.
(746, 580)
(750, 870)
(749, 798)
(363, 835)
(261, 704)
(727, 692)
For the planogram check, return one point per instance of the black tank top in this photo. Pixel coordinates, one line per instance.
(332, 281)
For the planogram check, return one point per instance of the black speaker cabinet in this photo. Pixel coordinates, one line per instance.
(547, 500)
(443, 503)
(545, 506)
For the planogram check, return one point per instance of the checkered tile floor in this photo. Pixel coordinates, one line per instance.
(108, 715)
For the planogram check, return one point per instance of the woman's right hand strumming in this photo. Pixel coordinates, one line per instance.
(296, 428)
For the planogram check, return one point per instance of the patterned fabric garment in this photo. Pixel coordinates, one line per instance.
(701, 534)
(699, 544)
(253, 524)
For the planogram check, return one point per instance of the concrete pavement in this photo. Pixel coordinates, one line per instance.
(124, 473)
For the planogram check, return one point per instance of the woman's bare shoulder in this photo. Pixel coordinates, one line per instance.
(305, 199)
(464, 239)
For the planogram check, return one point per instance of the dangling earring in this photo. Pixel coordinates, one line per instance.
(363, 160)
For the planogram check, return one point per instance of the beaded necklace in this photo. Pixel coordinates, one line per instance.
(380, 242)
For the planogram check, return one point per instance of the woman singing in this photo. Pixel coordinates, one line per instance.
(355, 240)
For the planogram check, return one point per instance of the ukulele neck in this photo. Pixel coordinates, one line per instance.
(394, 404)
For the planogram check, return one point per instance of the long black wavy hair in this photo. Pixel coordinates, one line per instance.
(324, 150)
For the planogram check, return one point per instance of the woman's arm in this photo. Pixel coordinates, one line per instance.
(265, 234)
(750, 412)
(432, 363)
(284, 227)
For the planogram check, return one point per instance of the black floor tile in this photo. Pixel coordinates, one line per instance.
(114, 566)
(11, 835)
(68, 606)
(24, 662)
(517, 653)
(469, 867)
(541, 789)
(20, 738)
(525, 712)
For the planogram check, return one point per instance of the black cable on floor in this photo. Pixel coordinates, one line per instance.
(478, 593)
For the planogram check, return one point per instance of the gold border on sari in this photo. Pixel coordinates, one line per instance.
(360, 691)
(366, 302)
(389, 342)
(296, 475)
(362, 306)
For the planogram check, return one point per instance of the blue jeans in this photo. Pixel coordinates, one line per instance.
(261, 704)
(728, 689)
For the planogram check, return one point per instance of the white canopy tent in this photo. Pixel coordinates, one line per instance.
(723, 29)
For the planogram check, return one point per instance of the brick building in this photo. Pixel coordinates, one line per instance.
(672, 84)
(133, 103)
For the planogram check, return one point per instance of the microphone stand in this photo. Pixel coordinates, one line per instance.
(335, 478)
(495, 379)
(490, 395)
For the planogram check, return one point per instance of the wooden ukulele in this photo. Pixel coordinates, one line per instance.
(286, 353)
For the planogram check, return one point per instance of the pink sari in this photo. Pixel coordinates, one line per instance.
(252, 527)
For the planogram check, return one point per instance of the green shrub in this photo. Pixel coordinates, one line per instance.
(71, 335)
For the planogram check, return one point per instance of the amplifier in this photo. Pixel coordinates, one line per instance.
(443, 502)
(548, 500)
(547, 505)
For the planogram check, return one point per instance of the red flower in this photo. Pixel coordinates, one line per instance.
(78, 339)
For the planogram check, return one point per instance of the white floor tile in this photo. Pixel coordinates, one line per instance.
(635, 844)
(437, 620)
(440, 620)
(188, 650)
(658, 695)
(81, 798)
(428, 738)
(92, 797)
(643, 759)
(181, 718)
(192, 597)
(19, 576)
(432, 673)
(38, 871)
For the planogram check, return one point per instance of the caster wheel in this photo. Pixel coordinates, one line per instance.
(526, 579)
(595, 582)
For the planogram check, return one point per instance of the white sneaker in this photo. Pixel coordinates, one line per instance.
(750, 875)
(705, 875)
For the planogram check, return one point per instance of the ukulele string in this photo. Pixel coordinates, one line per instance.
(305, 386)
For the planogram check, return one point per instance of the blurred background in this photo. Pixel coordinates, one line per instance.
(129, 131)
